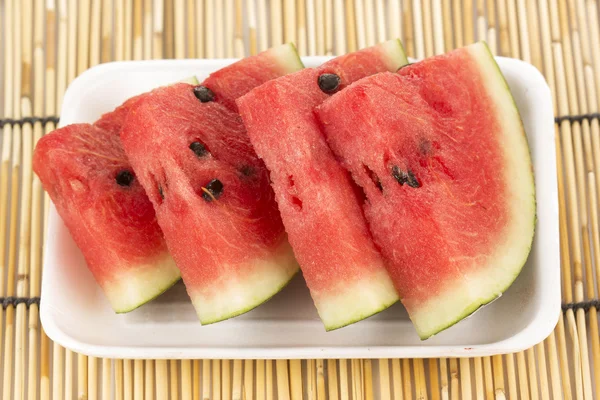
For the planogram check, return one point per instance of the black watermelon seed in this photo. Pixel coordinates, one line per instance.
(199, 149)
(329, 83)
(124, 178)
(214, 188)
(407, 177)
(160, 191)
(204, 94)
(247, 170)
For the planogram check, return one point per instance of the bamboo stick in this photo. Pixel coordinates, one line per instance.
(523, 30)
(344, 388)
(465, 378)
(158, 29)
(276, 22)
(138, 22)
(469, 29)
(443, 19)
(9, 339)
(419, 38)
(252, 34)
(237, 389)
(511, 374)
(394, 25)
(283, 387)
(445, 386)
(368, 377)
(83, 32)
(328, 27)
(107, 379)
(481, 20)
(384, 378)
(57, 378)
(321, 394)
(200, 29)
(231, 28)
(491, 23)
(216, 379)
(201, 369)
(44, 367)
(248, 388)
(269, 380)
(289, 21)
(296, 379)
(263, 30)
(311, 384)
(457, 24)
(479, 385)
(454, 379)
(190, 28)
(260, 380)
(503, 29)
(356, 379)
(209, 15)
(370, 30)
(179, 38)
(319, 16)
(351, 42)
(23, 269)
(301, 40)
(226, 380)
(397, 379)
(95, 32)
(119, 28)
(186, 379)
(72, 41)
(239, 48)
(427, 27)
(339, 23)
(169, 29)
(149, 384)
(138, 379)
(380, 14)
(420, 383)
(332, 379)
(534, 34)
(498, 368)
(107, 17)
(220, 33)
(122, 385)
(174, 379)
(68, 368)
(56, 68)
(407, 379)
(127, 380)
(162, 379)
(523, 378)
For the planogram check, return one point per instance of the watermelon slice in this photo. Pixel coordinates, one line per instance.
(320, 209)
(84, 170)
(440, 151)
(210, 191)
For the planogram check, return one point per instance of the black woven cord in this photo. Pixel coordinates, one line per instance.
(15, 301)
(576, 118)
(28, 120)
(583, 305)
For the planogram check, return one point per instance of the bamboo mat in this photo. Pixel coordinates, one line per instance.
(46, 43)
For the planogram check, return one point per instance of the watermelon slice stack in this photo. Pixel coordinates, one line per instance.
(378, 179)
(320, 209)
(446, 169)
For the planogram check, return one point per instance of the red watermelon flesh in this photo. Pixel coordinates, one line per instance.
(441, 153)
(113, 224)
(226, 237)
(112, 121)
(239, 78)
(321, 212)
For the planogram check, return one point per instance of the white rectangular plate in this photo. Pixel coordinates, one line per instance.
(75, 313)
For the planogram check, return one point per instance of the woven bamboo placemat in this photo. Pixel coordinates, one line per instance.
(46, 43)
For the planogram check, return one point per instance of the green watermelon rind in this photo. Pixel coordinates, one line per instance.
(395, 52)
(287, 57)
(192, 80)
(358, 297)
(125, 290)
(282, 262)
(485, 59)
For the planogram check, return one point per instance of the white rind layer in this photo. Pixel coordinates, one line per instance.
(357, 300)
(138, 285)
(487, 283)
(235, 295)
(395, 53)
(287, 57)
